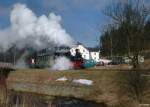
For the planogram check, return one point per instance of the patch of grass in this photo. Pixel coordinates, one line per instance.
(135, 86)
(108, 85)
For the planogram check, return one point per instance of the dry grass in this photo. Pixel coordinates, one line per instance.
(104, 89)
(146, 64)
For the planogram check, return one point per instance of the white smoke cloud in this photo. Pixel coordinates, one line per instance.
(29, 30)
(62, 63)
(21, 64)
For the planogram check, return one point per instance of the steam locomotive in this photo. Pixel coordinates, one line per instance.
(80, 63)
(47, 57)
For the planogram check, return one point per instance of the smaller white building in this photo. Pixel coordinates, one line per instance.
(95, 56)
(87, 53)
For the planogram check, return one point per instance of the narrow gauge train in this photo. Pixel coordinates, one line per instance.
(46, 58)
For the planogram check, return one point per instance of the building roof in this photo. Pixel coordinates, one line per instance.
(91, 49)
(54, 50)
(62, 49)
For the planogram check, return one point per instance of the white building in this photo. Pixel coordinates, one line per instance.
(95, 56)
(86, 53)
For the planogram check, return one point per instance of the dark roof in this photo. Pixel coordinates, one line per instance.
(62, 47)
(53, 50)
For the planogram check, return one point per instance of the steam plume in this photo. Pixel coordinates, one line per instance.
(62, 63)
(21, 64)
(28, 30)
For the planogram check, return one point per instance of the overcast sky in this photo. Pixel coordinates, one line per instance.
(82, 19)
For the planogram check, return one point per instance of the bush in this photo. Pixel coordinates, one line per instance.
(134, 85)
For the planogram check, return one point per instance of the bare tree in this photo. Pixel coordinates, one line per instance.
(131, 16)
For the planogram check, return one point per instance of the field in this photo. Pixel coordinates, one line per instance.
(109, 86)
